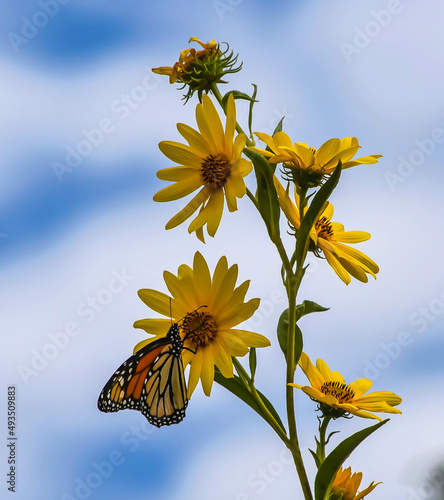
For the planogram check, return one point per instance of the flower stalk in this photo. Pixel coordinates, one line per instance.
(200, 331)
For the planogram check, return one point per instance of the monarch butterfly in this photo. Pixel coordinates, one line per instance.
(152, 380)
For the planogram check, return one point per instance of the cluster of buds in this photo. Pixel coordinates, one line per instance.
(201, 70)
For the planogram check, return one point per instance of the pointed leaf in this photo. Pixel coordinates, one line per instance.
(266, 193)
(327, 472)
(308, 307)
(316, 458)
(282, 334)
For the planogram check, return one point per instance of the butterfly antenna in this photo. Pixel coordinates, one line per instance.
(171, 313)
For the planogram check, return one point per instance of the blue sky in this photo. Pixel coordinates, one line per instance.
(62, 238)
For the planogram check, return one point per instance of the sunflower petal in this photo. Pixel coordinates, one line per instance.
(202, 278)
(314, 376)
(233, 344)
(327, 151)
(360, 387)
(242, 313)
(158, 327)
(197, 143)
(338, 268)
(157, 301)
(352, 236)
(207, 372)
(221, 358)
(177, 174)
(389, 397)
(250, 338)
(180, 154)
(178, 190)
(195, 372)
(188, 209)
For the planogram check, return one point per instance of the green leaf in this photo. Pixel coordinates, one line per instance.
(308, 307)
(282, 334)
(327, 472)
(316, 458)
(266, 193)
(250, 111)
(313, 212)
(252, 360)
(235, 386)
(236, 95)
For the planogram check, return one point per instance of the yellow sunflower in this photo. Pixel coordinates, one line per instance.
(345, 486)
(207, 310)
(211, 163)
(337, 398)
(307, 166)
(186, 59)
(330, 237)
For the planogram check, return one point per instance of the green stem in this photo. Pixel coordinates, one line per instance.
(302, 202)
(322, 441)
(293, 283)
(267, 416)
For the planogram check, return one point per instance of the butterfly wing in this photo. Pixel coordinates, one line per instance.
(151, 381)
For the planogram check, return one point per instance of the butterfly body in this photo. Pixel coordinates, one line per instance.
(152, 381)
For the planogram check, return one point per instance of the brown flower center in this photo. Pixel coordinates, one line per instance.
(215, 171)
(199, 328)
(323, 228)
(341, 392)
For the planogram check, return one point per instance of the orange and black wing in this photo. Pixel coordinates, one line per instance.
(151, 381)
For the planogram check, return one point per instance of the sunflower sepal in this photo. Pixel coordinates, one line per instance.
(267, 200)
(313, 212)
(330, 466)
(282, 334)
